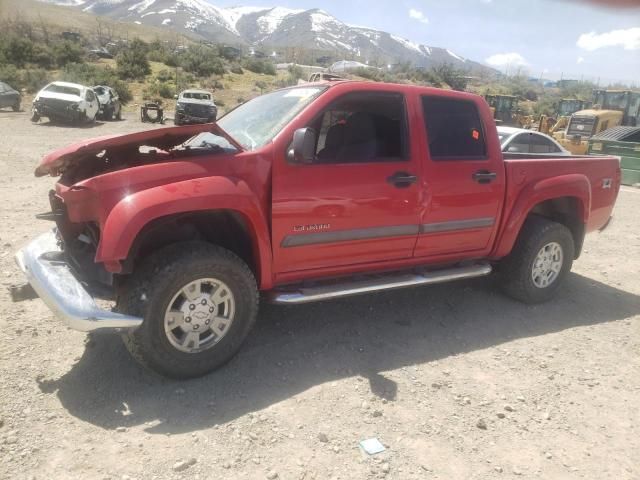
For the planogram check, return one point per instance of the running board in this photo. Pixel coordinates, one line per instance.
(346, 288)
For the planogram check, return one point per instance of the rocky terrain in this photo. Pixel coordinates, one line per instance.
(456, 381)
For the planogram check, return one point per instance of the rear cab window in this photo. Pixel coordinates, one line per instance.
(454, 129)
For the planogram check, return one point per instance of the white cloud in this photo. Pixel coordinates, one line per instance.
(418, 15)
(502, 60)
(628, 39)
(580, 60)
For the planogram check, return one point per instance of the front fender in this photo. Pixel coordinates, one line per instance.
(573, 185)
(128, 217)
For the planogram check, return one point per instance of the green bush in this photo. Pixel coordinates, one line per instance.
(67, 52)
(34, 80)
(91, 75)
(31, 80)
(132, 61)
(256, 65)
(165, 75)
(203, 61)
(10, 74)
(16, 50)
(237, 69)
(158, 90)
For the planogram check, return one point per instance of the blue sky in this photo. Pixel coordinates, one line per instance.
(572, 38)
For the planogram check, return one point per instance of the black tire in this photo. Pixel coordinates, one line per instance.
(35, 117)
(177, 122)
(152, 286)
(16, 107)
(119, 114)
(515, 270)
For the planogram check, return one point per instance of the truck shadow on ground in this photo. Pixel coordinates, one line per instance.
(295, 348)
(84, 126)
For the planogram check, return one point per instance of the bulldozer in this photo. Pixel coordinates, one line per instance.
(585, 123)
(567, 106)
(504, 108)
(550, 124)
(626, 101)
(611, 109)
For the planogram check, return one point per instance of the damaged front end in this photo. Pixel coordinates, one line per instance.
(64, 266)
(55, 108)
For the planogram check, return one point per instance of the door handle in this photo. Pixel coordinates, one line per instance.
(402, 179)
(484, 176)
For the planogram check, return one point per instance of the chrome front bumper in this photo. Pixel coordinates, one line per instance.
(54, 282)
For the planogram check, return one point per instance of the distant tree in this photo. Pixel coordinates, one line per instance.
(452, 76)
(203, 61)
(17, 50)
(132, 61)
(67, 52)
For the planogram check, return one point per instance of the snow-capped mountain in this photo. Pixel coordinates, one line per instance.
(273, 27)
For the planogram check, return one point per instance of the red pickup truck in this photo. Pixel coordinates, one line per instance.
(307, 193)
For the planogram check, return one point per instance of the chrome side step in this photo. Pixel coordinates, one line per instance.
(346, 288)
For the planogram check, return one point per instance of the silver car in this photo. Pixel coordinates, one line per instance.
(520, 140)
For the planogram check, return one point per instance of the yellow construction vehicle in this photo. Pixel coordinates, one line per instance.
(611, 109)
(585, 123)
(504, 108)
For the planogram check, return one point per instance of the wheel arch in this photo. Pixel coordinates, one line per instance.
(565, 199)
(185, 211)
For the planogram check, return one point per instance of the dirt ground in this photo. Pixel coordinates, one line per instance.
(457, 381)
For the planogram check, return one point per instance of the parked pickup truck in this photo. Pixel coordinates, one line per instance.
(307, 193)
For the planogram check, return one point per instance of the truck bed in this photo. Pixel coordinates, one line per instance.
(525, 171)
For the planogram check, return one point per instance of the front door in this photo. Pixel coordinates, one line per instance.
(464, 183)
(357, 202)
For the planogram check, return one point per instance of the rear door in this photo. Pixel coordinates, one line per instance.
(463, 179)
(358, 201)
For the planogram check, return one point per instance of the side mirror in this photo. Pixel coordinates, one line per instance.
(303, 146)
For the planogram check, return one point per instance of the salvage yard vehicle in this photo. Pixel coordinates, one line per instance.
(110, 106)
(304, 194)
(521, 140)
(9, 97)
(195, 106)
(584, 124)
(65, 102)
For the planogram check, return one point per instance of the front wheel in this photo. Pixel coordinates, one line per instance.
(541, 259)
(198, 302)
(16, 107)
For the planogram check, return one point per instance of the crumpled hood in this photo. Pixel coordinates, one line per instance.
(59, 96)
(161, 138)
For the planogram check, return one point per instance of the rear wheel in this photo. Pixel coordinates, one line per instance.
(540, 261)
(16, 106)
(198, 302)
(119, 113)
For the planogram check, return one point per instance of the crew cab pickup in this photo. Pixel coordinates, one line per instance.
(307, 193)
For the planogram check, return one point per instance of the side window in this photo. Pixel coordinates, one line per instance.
(520, 144)
(540, 144)
(362, 127)
(454, 129)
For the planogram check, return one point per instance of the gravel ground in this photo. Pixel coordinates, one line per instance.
(456, 381)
